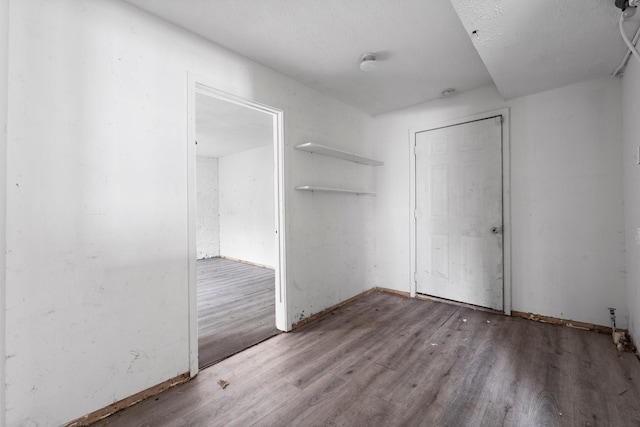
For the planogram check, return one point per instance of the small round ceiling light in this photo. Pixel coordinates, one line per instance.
(368, 62)
(448, 92)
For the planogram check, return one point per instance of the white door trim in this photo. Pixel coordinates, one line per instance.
(200, 85)
(506, 197)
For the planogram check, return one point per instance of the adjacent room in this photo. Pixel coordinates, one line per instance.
(235, 240)
(319, 213)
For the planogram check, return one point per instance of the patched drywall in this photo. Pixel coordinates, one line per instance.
(631, 169)
(207, 200)
(97, 166)
(566, 196)
(247, 212)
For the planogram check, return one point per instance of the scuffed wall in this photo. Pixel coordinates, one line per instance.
(208, 208)
(566, 196)
(97, 206)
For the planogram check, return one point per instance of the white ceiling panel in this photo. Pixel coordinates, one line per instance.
(422, 45)
(536, 45)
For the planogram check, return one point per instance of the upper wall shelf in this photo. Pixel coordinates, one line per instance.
(312, 147)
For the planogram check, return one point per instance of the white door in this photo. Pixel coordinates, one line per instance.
(459, 213)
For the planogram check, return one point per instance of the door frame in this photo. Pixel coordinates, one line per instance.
(200, 85)
(506, 197)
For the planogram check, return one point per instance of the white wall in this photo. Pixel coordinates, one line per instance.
(97, 257)
(631, 169)
(4, 65)
(247, 215)
(207, 199)
(97, 194)
(325, 218)
(566, 194)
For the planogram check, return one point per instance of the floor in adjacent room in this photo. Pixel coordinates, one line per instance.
(386, 360)
(236, 308)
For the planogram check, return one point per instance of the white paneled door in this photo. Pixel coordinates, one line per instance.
(459, 213)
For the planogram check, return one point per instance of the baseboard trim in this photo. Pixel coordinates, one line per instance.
(393, 292)
(180, 379)
(424, 297)
(523, 315)
(128, 401)
(565, 322)
(245, 262)
(330, 309)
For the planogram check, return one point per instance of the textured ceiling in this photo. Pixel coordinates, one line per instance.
(223, 128)
(422, 45)
(536, 45)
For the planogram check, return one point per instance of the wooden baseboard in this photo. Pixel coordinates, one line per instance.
(458, 304)
(393, 292)
(150, 392)
(523, 315)
(330, 309)
(129, 401)
(565, 322)
(246, 262)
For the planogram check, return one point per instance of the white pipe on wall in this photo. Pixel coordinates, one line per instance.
(630, 45)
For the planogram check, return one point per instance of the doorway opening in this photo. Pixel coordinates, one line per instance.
(236, 281)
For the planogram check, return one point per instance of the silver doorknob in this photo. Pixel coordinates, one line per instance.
(496, 230)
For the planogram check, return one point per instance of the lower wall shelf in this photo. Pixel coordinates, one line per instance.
(333, 190)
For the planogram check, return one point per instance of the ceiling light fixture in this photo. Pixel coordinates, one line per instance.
(368, 62)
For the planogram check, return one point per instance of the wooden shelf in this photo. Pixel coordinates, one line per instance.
(312, 147)
(333, 190)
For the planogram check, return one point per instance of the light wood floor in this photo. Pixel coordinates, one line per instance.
(236, 308)
(388, 361)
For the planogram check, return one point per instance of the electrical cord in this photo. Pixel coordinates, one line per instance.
(630, 45)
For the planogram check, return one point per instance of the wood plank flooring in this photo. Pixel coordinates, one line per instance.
(385, 360)
(236, 308)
